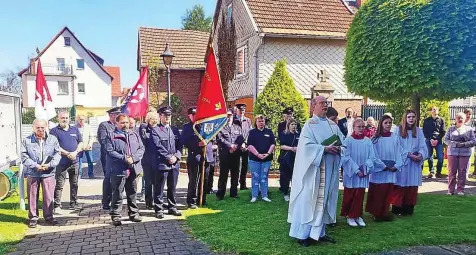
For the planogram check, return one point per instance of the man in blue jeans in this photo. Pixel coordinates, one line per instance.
(434, 131)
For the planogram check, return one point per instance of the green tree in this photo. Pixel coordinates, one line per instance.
(418, 49)
(195, 19)
(279, 93)
(28, 116)
(398, 108)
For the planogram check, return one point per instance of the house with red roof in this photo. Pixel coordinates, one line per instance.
(75, 75)
(309, 34)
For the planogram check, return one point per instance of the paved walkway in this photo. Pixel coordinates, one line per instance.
(89, 230)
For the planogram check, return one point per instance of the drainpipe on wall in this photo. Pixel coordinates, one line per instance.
(255, 96)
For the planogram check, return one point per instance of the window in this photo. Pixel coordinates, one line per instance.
(80, 63)
(67, 41)
(81, 88)
(63, 88)
(229, 14)
(241, 61)
(61, 64)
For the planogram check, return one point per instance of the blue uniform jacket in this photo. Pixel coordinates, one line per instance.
(116, 145)
(145, 132)
(190, 140)
(166, 144)
(230, 135)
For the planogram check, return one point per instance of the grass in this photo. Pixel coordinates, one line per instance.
(238, 226)
(12, 223)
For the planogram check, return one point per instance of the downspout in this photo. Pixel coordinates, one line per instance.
(255, 96)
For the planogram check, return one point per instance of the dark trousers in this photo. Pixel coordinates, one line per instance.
(60, 176)
(118, 184)
(244, 168)
(228, 163)
(285, 177)
(195, 182)
(211, 174)
(106, 183)
(439, 154)
(160, 177)
(147, 185)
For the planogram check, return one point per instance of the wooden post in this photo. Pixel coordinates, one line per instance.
(202, 175)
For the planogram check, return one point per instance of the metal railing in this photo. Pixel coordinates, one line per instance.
(55, 69)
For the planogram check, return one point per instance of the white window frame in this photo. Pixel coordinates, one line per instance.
(61, 65)
(242, 72)
(84, 88)
(229, 14)
(63, 83)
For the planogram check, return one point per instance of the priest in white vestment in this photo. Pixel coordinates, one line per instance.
(315, 182)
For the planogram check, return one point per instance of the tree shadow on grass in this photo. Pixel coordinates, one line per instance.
(11, 218)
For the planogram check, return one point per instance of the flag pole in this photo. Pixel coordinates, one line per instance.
(202, 174)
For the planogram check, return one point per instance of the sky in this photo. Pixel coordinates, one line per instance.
(106, 27)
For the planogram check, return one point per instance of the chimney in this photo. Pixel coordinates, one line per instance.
(32, 66)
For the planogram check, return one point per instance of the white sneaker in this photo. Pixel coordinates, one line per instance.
(460, 194)
(361, 222)
(352, 222)
(286, 198)
(253, 199)
(266, 199)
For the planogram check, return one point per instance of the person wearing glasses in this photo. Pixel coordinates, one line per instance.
(315, 181)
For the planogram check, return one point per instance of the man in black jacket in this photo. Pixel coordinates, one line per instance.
(434, 131)
(345, 124)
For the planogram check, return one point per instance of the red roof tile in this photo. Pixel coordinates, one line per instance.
(188, 46)
(115, 72)
(303, 17)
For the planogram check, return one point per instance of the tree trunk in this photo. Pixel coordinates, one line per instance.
(416, 105)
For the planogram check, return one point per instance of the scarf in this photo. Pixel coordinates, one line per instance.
(358, 137)
(386, 134)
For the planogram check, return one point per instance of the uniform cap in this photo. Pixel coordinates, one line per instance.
(288, 110)
(192, 110)
(165, 110)
(241, 106)
(114, 110)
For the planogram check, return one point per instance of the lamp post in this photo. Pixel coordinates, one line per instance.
(167, 56)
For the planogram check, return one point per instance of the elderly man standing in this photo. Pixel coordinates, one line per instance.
(315, 180)
(105, 128)
(246, 126)
(71, 144)
(40, 154)
(124, 152)
(88, 140)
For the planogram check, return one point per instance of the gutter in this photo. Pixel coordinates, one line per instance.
(255, 96)
(325, 37)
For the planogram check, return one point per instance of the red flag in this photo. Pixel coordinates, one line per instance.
(211, 107)
(136, 103)
(44, 108)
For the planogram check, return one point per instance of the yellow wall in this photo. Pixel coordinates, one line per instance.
(92, 111)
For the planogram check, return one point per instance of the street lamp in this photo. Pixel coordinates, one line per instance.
(167, 56)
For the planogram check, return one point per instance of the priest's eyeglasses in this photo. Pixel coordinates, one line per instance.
(324, 103)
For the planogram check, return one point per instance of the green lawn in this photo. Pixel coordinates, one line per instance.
(238, 226)
(12, 223)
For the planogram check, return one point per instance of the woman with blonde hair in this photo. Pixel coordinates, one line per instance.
(288, 141)
(460, 139)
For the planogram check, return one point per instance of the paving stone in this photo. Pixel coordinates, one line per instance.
(461, 249)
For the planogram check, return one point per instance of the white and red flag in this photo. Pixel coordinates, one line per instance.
(44, 107)
(136, 103)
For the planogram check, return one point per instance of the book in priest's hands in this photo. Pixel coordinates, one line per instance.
(333, 140)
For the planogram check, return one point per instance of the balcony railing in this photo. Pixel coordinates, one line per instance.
(55, 69)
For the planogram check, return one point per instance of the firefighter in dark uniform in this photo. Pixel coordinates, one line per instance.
(105, 128)
(287, 114)
(246, 126)
(230, 140)
(195, 161)
(150, 154)
(166, 169)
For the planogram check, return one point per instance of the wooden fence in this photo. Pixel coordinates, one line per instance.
(377, 111)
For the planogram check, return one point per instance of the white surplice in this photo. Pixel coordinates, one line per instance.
(315, 182)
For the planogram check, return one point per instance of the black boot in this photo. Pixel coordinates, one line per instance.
(397, 210)
(409, 209)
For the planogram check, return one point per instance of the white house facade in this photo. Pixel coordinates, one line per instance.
(74, 75)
